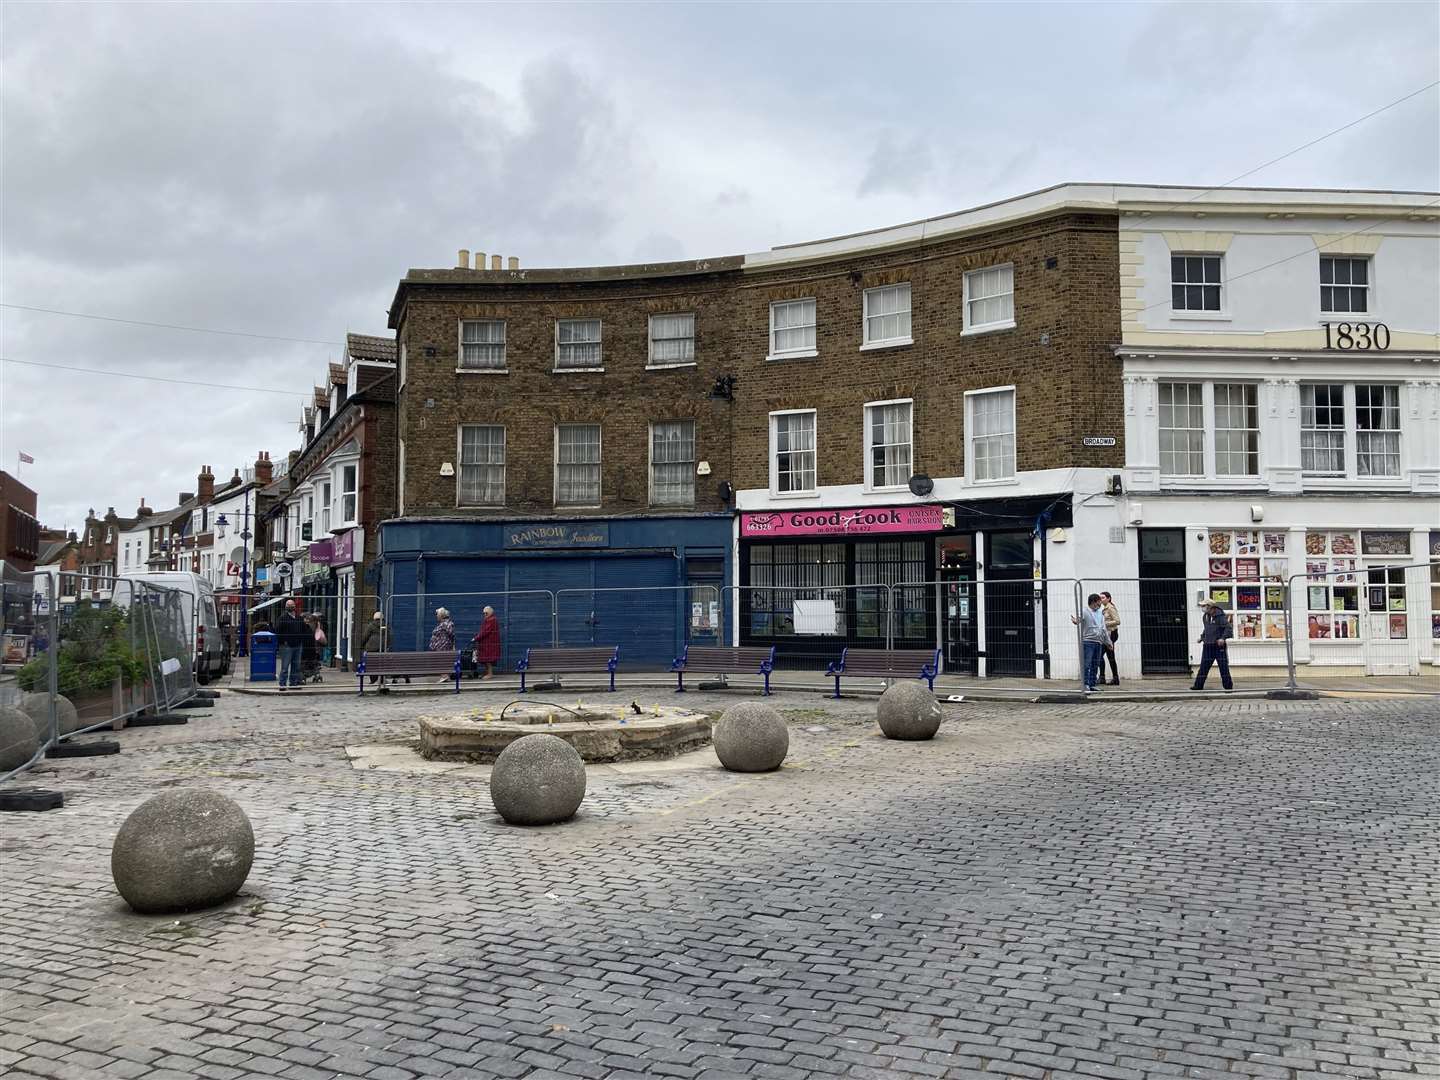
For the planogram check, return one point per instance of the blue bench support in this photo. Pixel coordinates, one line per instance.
(725, 660)
(414, 663)
(569, 661)
(881, 663)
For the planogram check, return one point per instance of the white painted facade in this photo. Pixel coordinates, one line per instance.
(1362, 495)
(1267, 333)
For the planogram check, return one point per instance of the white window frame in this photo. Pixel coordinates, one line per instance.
(1351, 435)
(461, 466)
(971, 473)
(970, 327)
(351, 519)
(660, 365)
(869, 407)
(803, 350)
(324, 501)
(1160, 428)
(1220, 312)
(599, 464)
(599, 340)
(1214, 434)
(400, 477)
(501, 368)
(870, 342)
(402, 367)
(1330, 315)
(305, 515)
(691, 462)
(812, 492)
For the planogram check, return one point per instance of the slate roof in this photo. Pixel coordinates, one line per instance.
(370, 347)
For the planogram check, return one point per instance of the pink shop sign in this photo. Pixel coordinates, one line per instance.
(853, 521)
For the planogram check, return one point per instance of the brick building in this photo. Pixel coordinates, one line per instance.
(565, 436)
(321, 530)
(19, 526)
(576, 430)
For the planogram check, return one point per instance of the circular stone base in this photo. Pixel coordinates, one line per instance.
(599, 733)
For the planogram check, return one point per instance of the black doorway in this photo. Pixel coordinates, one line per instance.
(1009, 605)
(1164, 633)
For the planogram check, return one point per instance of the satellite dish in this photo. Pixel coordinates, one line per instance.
(238, 555)
(921, 485)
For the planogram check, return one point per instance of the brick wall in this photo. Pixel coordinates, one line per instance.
(532, 398)
(1058, 357)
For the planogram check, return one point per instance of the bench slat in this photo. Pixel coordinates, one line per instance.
(725, 660)
(886, 663)
(569, 661)
(409, 663)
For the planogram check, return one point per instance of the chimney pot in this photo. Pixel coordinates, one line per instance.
(514, 263)
(463, 259)
(479, 260)
(495, 262)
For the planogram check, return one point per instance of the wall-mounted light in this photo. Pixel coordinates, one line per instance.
(724, 388)
(1257, 512)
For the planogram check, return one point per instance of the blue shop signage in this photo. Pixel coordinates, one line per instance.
(557, 535)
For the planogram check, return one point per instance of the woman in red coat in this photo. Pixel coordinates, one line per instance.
(487, 642)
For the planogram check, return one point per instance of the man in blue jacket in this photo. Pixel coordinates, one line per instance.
(1213, 640)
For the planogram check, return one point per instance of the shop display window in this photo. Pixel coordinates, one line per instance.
(1332, 586)
(1247, 569)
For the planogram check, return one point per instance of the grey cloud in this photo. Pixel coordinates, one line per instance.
(898, 165)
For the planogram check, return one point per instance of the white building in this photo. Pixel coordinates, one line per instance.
(1281, 365)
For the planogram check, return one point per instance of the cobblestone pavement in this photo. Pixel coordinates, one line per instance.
(1234, 888)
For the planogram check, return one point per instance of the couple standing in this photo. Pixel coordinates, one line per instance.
(1100, 629)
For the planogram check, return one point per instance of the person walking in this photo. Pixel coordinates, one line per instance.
(442, 638)
(1112, 629)
(1213, 640)
(1093, 638)
(373, 640)
(290, 637)
(487, 642)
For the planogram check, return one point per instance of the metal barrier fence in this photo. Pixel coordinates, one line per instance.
(83, 653)
(810, 625)
(650, 625)
(527, 620)
(1373, 619)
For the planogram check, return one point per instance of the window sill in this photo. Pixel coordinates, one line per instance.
(891, 343)
(346, 527)
(672, 506)
(482, 371)
(797, 354)
(577, 506)
(671, 367)
(794, 494)
(889, 490)
(1009, 481)
(570, 370)
(1199, 316)
(988, 328)
(480, 506)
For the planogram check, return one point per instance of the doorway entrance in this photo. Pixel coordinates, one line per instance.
(1164, 627)
(1010, 604)
(959, 642)
(1387, 627)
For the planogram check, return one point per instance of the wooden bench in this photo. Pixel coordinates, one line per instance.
(887, 664)
(723, 660)
(446, 662)
(566, 661)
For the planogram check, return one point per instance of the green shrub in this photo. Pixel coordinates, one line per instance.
(94, 651)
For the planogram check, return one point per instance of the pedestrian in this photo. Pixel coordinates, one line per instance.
(1112, 628)
(487, 642)
(1213, 640)
(310, 648)
(322, 643)
(442, 638)
(290, 639)
(1093, 637)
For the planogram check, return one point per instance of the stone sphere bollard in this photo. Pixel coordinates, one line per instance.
(908, 711)
(38, 709)
(538, 780)
(18, 743)
(751, 737)
(182, 850)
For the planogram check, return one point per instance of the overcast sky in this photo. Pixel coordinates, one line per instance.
(274, 169)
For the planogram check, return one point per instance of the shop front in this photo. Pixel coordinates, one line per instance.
(964, 578)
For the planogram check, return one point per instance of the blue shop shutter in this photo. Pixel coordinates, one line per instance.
(636, 605)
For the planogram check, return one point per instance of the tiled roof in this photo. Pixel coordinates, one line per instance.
(337, 374)
(52, 551)
(369, 347)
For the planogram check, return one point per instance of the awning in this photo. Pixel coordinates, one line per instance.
(268, 603)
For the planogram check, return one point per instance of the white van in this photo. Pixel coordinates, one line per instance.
(212, 658)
